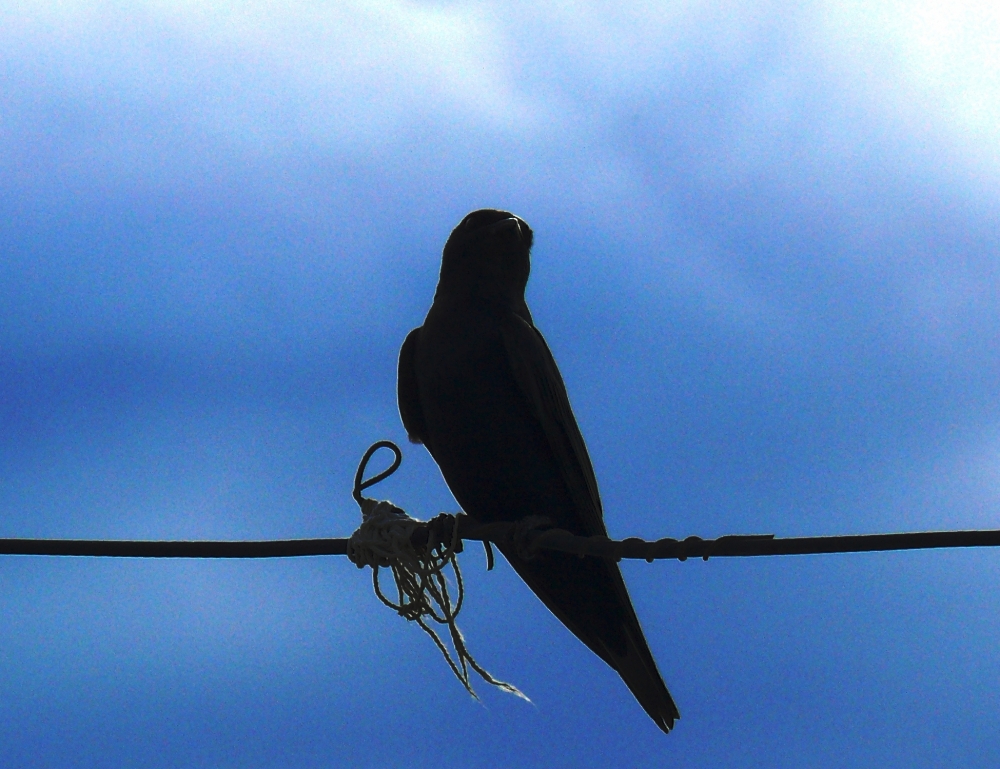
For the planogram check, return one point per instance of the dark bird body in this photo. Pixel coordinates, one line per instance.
(480, 389)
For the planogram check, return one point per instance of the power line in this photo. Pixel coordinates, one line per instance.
(738, 546)
(524, 537)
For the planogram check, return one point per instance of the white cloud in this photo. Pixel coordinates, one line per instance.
(264, 72)
(353, 70)
(931, 64)
(540, 98)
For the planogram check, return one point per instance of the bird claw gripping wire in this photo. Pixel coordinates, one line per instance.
(417, 553)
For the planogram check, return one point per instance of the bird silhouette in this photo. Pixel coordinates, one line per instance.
(479, 388)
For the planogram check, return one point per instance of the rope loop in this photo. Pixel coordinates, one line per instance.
(360, 485)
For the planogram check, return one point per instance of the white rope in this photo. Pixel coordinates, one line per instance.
(383, 540)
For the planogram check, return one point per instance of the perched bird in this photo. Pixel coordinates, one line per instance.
(479, 388)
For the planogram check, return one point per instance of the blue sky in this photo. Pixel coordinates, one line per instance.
(766, 260)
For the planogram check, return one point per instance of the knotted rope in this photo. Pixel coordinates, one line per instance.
(386, 539)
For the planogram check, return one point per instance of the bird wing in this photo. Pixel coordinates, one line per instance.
(408, 392)
(615, 636)
(538, 378)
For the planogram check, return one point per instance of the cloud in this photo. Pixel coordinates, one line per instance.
(264, 75)
(933, 66)
(714, 149)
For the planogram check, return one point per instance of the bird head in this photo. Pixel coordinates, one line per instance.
(489, 251)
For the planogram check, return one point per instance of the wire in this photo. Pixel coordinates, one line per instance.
(526, 537)
(738, 546)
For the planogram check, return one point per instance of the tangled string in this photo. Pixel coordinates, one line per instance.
(385, 540)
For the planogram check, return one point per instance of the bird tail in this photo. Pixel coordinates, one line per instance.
(638, 670)
(591, 600)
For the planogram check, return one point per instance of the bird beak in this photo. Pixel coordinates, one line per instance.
(504, 225)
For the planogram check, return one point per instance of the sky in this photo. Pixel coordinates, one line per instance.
(767, 261)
